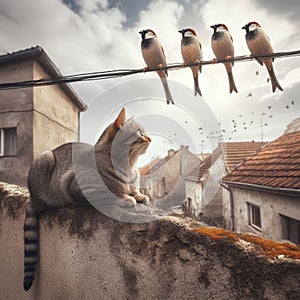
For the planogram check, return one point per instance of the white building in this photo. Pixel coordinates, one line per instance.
(265, 190)
(205, 199)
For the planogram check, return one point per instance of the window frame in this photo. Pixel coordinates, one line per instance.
(286, 226)
(1, 142)
(250, 207)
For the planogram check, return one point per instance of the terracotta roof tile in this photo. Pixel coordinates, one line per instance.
(234, 154)
(276, 165)
(200, 170)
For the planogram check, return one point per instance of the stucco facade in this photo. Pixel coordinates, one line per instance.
(164, 183)
(43, 117)
(203, 197)
(273, 209)
(263, 193)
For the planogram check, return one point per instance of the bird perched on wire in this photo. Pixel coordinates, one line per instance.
(191, 51)
(259, 43)
(154, 56)
(222, 46)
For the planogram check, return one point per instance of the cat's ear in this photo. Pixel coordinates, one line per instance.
(120, 120)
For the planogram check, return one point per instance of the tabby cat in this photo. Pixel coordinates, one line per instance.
(55, 178)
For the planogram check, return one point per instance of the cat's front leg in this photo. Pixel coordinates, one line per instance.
(139, 197)
(127, 201)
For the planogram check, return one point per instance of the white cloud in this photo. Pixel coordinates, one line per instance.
(97, 39)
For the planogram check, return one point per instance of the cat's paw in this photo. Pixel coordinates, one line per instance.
(140, 198)
(127, 201)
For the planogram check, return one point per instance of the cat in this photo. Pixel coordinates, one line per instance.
(56, 178)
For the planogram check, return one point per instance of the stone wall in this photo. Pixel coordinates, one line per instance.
(86, 255)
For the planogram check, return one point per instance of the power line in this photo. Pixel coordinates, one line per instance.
(126, 72)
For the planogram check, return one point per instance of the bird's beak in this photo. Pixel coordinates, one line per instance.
(244, 27)
(141, 32)
(213, 26)
(180, 31)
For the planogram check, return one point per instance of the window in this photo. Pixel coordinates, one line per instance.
(254, 216)
(1, 142)
(8, 142)
(290, 229)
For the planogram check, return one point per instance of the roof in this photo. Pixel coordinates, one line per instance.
(234, 153)
(200, 170)
(40, 55)
(162, 161)
(147, 168)
(293, 126)
(275, 166)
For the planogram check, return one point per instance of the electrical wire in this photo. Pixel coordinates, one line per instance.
(126, 72)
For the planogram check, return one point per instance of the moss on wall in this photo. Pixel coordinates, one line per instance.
(87, 255)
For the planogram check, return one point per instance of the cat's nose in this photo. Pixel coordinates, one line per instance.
(147, 139)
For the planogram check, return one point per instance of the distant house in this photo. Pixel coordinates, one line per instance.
(33, 119)
(166, 177)
(205, 199)
(265, 190)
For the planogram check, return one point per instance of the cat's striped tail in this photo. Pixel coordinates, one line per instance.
(31, 241)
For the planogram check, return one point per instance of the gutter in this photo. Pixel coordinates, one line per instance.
(231, 205)
(283, 191)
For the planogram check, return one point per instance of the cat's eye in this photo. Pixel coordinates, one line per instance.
(139, 132)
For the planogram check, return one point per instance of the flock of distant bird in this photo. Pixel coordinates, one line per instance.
(222, 46)
(237, 125)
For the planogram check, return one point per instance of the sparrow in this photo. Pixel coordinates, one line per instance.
(154, 56)
(191, 51)
(222, 46)
(259, 43)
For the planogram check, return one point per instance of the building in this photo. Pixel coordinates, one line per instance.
(164, 181)
(33, 119)
(205, 199)
(265, 190)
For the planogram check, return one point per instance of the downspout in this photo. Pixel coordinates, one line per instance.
(78, 130)
(231, 205)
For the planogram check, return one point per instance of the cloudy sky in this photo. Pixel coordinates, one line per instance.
(95, 35)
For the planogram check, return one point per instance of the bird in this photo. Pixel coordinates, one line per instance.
(249, 95)
(191, 50)
(259, 43)
(154, 56)
(222, 46)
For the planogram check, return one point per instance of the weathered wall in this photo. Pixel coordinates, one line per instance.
(16, 111)
(271, 207)
(168, 178)
(86, 255)
(55, 118)
(45, 117)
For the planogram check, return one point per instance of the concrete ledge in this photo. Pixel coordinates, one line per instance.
(86, 255)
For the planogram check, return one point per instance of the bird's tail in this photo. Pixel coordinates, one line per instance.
(31, 241)
(274, 81)
(232, 86)
(196, 86)
(167, 90)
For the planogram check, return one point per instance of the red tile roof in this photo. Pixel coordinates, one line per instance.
(200, 170)
(234, 153)
(277, 165)
(147, 168)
